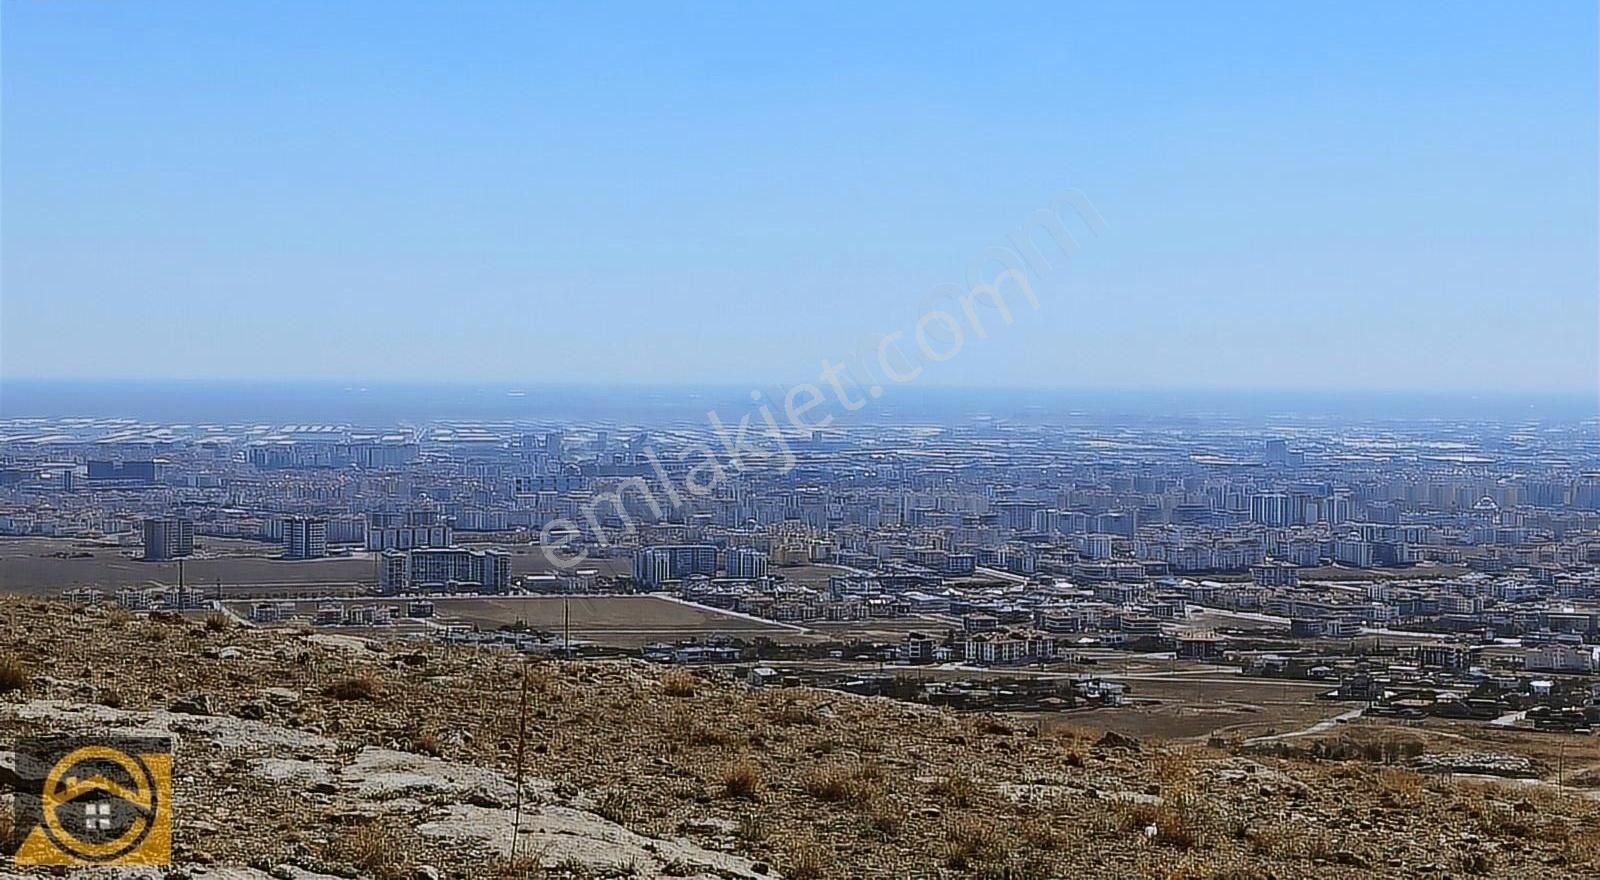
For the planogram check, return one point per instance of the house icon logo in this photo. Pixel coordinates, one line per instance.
(98, 801)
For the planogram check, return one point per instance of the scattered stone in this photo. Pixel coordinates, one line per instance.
(1114, 740)
(1483, 763)
(194, 704)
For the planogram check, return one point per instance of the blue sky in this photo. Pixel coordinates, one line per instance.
(1296, 195)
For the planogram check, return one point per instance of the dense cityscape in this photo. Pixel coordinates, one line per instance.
(799, 441)
(1288, 551)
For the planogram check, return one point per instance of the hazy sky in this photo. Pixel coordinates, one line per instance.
(1319, 195)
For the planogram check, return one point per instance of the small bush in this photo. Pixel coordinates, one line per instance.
(809, 864)
(365, 686)
(792, 714)
(967, 843)
(521, 866)
(1172, 827)
(741, 779)
(753, 827)
(679, 683)
(955, 790)
(427, 744)
(838, 785)
(618, 806)
(14, 675)
(216, 622)
(692, 732)
(373, 849)
(884, 817)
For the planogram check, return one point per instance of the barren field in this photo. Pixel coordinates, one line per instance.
(613, 620)
(50, 565)
(1196, 707)
(530, 559)
(621, 621)
(46, 566)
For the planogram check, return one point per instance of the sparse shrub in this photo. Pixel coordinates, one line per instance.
(1172, 827)
(885, 817)
(679, 683)
(216, 622)
(373, 849)
(753, 827)
(968, 842)
(692, 732)
(1582, 847)
(741, 779)
(1041, 835)
(14, 675)
(1476, 862)
(955, 790)
(8, 828)
(109, 697)
(427, 744)
(1265, 840)
(365, 686)
(839, 785)
(618, 806)
(1400, 787)
(992, 726)
(792, 714)
(519, 866)
(809, 864)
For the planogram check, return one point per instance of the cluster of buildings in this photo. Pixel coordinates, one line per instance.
(1044, 526)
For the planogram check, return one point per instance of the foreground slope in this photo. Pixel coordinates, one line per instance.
(301, 755)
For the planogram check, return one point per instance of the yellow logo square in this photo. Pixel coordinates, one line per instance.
(99, 801)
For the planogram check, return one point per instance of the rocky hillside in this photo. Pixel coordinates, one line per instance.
(306, 755)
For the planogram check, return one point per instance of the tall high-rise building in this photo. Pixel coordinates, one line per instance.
(1270, 508)
(305, 537)
(669, 562)
(745, 563)
(445, 568)
(168, 537)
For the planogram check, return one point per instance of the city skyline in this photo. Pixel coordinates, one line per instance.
(1361, 197)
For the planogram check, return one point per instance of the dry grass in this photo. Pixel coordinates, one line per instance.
(968, 842)
(365, 686)
(217, 622)
(14, 675)
(427, 744)
(8, 828)
(1582, 847)
(691, 731)
(955, 790)
(373, 849)
(679, 683)
(520, 866)
(742, 779)
(842, 785)
(1171, 824)
(790, 713)
(809, 864)
(1401, 788)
